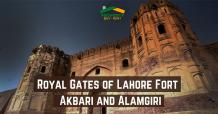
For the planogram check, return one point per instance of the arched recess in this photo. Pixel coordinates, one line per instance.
(180, 72)
(97, 110)
(139, 41)
(125, 63)
(197, 76)
(104, 71)
(161, 29)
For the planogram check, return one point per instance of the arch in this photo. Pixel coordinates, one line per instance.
(97, 71)
(125, 63)
(43, 69)
(161, 29)
(154, 6)
(135, 19)
(139, 41)
(73, 74)
(184, 26)
(104, 110)
(98, 66)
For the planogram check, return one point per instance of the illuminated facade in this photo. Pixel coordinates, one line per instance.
(162, 43)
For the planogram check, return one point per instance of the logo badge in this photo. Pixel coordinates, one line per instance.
(112, 13)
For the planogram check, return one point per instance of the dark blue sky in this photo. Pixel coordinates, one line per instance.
(74, 25)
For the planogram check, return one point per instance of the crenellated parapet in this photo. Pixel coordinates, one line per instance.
(125, 44)
(48, 49)
(49, 54)
(151, 5)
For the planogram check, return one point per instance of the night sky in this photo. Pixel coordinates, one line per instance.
(75, 25)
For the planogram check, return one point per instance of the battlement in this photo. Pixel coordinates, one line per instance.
(122, 44)
(148, 7)
(212, 46)
(48, 49)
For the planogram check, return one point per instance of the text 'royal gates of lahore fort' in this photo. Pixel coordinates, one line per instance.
(162, 43)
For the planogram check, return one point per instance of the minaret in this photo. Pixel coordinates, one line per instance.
(165, 45)
(44, 60)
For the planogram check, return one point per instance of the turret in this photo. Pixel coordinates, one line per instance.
(44, 60)
(164, 44)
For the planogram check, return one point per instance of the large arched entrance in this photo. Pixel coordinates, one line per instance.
(97, 110)
(98, 71)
